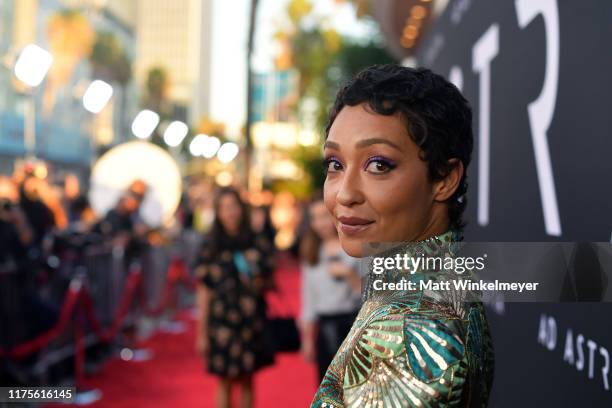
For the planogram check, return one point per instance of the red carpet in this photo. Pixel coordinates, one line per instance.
(175, 377)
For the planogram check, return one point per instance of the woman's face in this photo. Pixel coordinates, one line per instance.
(229, 213)
(377, 187)
(71, 186)
(321, 221)
(258, 219)
(8, 190)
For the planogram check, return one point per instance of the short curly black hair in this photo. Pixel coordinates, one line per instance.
(437, 116)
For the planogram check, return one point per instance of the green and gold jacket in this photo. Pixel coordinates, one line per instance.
(413, 348)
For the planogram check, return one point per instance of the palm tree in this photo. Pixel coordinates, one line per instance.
(109, 60)
(111, 63)
(157, 86)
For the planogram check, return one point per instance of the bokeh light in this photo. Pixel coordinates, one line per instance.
(97, 95)
(33, 64)
(175, 133)
(144, 124)
(227, 152)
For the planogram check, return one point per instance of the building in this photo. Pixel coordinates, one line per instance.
(6, 35)
(61, 133)
(112, 124)
(176, 35)
(124, 11)
(276, 130)
(66, 134)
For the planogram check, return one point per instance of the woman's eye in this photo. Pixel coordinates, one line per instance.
(378, 167)
(332, 165)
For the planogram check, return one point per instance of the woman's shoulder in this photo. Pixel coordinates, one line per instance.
(433, 349)
(439, 323)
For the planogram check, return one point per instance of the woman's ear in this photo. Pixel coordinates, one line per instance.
(445, 188)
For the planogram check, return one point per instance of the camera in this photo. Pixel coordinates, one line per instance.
(6, 205)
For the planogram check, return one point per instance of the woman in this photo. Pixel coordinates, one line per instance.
(331, 289)
(234, 271)
(398, 143)
(261, 223)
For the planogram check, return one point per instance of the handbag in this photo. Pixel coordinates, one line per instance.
(282, 330)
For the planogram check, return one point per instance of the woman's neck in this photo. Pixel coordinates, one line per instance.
(232, 233)
(438, 225)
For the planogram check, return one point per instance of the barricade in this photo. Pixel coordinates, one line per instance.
(103, 298)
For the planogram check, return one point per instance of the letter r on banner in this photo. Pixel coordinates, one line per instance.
(541, 110)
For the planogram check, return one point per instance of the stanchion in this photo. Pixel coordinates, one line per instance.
(175, 274)
(129, 350)
(83, 396)
(78, 307)
(68, 307)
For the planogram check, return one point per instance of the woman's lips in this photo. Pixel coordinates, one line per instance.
(353, 225)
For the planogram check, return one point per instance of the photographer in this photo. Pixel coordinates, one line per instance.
(15, 233)
(124, 225)
(15, 240)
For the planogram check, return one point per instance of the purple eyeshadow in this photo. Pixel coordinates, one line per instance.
(388, 162)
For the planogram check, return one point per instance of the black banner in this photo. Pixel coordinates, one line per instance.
(537, 73)
(538, 76)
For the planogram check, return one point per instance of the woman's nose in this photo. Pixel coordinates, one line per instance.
(350, 189)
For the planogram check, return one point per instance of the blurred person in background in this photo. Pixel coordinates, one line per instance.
(124, 219)
(285, 214)
(302, 226)
(139, 188)
(201, 194)
(185, 227)
(71, 192)
(121, 219)
(185, 212)
(234, 271)
(15, 238)
(82, 216)
(22, 309)
(331, 288)
(79, 212)
(261, 223)
(15, 232)
(124, 225)
(41, 206)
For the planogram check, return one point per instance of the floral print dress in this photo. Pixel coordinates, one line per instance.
(237, 277)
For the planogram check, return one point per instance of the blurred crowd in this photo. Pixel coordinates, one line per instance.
(48, 232)
(47, 222)
(35, 220)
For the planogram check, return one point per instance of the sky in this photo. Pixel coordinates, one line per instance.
(230, 30)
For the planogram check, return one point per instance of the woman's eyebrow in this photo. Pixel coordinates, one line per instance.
(331, 145)
(376, 140)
